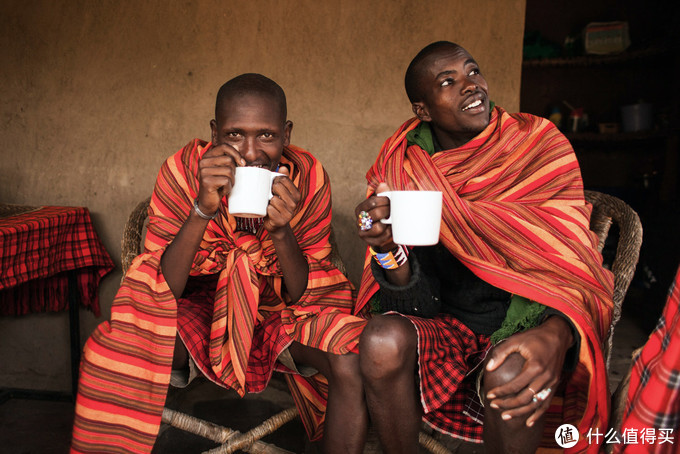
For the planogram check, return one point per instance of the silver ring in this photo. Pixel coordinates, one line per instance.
(542, 395)
(365, 221)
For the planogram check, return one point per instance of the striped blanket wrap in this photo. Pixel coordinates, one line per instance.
(127, 362)
(514, 213)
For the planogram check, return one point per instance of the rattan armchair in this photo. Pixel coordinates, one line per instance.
(607, 210)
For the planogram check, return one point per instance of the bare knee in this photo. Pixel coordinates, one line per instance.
(344, 369)
(508, 370)
(388, 346)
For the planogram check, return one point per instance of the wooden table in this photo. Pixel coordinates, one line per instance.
(51, 259)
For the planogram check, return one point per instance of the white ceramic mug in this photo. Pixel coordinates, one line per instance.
(415, 216)
(251, 192)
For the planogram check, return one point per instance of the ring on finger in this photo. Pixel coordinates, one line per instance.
(365, 221)
(542, 395)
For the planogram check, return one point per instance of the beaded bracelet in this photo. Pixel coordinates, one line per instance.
(393, 259)
(202, 214)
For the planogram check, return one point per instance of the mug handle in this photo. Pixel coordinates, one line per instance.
(271, 182)
(386, 194)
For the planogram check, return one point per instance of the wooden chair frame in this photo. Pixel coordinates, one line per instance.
(607, 210)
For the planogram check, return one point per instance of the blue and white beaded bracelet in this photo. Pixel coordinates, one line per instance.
(393, 259)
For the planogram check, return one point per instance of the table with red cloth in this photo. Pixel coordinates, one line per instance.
(51, 258)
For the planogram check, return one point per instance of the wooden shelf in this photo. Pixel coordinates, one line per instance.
(616, 137)
(595, 60)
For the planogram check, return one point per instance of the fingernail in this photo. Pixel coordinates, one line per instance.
(493, 405)
(489, 365)
(506, 417)
(490, 396)
(530, 423)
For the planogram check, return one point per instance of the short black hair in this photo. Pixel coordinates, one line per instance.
(251, 84)
(414, 70)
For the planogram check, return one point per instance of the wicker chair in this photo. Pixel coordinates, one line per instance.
(229, 440)
(607, 210)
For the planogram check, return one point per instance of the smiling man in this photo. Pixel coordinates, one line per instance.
(494, 333)
(230, 298)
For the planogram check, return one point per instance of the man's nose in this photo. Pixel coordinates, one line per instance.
(469, 85)
(248, 150)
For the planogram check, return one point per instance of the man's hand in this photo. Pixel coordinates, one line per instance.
(543, 349)
(379, 236)
(283, 205)
(216, 171)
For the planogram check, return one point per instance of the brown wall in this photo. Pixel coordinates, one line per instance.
(95, 95)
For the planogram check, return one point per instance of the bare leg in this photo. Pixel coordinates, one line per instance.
(512, 436)
(388, 358)
(346, 422)
(180, 357)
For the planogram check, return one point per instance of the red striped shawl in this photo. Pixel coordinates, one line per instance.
(126, 365)
(514, 213)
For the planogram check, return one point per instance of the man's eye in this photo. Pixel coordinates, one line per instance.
(474, 72)
(267, 135)
(232, 135)
(446, 82)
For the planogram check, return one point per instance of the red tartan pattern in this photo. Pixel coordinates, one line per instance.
(194, 317)
(448, 351)
(245, 318)
(514, 213)
(38, 249)
(652, 411)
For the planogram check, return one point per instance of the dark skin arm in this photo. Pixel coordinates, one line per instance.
(379, 237)
(280, 211)
(216, 177)
(544, 349)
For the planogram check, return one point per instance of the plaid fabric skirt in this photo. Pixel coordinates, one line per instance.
(449, 360)
(194, 318)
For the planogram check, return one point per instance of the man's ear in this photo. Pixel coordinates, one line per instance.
(213, 131)
(287, 129)
(421, 111)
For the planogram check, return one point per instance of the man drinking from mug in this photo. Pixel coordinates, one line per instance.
(228, 297)
(495, 333)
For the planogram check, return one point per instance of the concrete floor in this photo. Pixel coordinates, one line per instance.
(30, 426)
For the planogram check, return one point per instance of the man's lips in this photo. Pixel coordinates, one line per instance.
(473, 105)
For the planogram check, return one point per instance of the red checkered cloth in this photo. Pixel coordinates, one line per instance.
(448, 356)
(194, 317)
(652, 416)
(38, 249)
(513, 212)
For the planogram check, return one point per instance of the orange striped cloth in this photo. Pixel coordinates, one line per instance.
(514, 213)
(126, 365)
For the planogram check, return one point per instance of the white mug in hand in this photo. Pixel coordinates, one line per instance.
(415, 216)
(251, 192)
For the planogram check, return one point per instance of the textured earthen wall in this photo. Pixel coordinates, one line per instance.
(95, 95)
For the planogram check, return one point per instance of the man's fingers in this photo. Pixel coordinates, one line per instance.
(382, 187)
(284, 170)
(499, 354)
(534, 410)
(224, 149)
